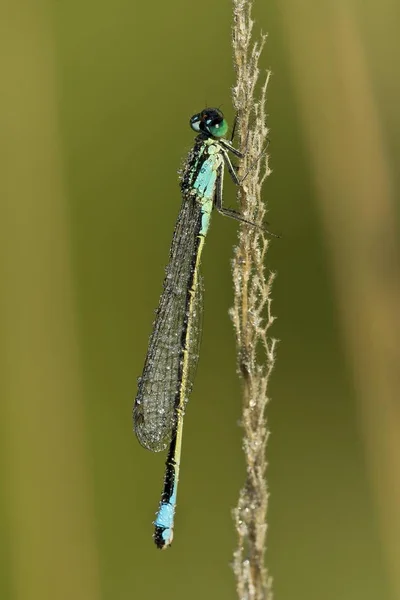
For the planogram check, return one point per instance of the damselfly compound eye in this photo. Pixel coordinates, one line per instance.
(195, 122)
(210, 121)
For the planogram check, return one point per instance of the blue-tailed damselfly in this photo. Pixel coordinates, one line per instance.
(170, 364)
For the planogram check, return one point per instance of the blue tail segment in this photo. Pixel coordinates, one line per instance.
(164, 523)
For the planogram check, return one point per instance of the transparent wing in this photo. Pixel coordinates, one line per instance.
(153, 411)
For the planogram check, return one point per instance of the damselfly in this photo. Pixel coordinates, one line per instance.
(170, 364)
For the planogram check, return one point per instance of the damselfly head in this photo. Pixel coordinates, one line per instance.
(210, 121)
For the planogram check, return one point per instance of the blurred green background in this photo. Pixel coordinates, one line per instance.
(96, 98)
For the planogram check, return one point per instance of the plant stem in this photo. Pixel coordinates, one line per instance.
(251, 312)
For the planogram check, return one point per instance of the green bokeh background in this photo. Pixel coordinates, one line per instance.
(127, 76)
